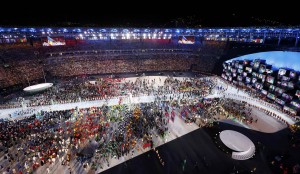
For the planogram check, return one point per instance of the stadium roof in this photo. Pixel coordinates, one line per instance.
(166, 30)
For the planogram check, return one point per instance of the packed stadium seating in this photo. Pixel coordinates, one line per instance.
(24, 64)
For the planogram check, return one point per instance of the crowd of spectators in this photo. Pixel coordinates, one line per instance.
(24, 64)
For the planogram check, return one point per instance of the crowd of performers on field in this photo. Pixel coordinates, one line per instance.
(74, 90)
(87, 138)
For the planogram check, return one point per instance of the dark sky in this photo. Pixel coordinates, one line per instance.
(149, 14)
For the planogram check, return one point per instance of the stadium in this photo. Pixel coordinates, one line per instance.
(149, 100)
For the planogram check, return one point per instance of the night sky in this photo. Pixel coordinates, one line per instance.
(149, 14)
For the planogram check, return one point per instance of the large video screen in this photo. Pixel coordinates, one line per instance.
(186, 39)
(279, 101)
(271, 88)
(246, 62)
(278, 83)
(285, 78)
(293, 74)
(278, 90)
(53, 41)
(262, 77)
(291, 85)
(258, 86)
(286, 96)
(269, 71)
(236, 64)
(241, 66)
(282, 72)
(262, 68)
(224, 76)
(249, 69)
(248, 79)
(270, 79)
(264, 92)
(295, 104)
(256, 65)
(284, 84)
(271, 96)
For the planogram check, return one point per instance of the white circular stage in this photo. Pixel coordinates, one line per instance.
(242, 145)
(38, 87)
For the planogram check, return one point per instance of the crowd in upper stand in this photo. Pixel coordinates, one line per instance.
(22, 65)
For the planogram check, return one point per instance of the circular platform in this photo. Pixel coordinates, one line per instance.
(38, 87)
(242, 146)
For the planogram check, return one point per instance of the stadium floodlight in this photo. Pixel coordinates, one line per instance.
(32, 30)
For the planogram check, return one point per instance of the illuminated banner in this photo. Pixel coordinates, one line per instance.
(186, 39)
(53, 41)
